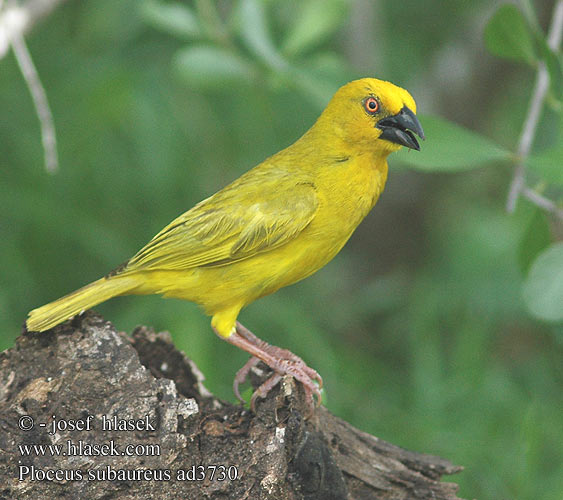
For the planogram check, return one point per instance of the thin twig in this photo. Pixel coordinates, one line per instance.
(542, 201)
(541, 86)
(19, 18)
(29, 72)
(15, 21)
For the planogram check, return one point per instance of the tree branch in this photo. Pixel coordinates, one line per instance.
(517, 186)
(15, 21)
(541, 201)
(29, 72)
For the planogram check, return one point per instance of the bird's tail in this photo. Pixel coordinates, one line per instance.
(56, 312)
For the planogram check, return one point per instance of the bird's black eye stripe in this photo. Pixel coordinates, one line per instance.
(371, 105)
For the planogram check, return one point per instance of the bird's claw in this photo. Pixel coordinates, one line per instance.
(281, 361)
(290, 365)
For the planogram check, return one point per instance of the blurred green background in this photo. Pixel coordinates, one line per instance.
(419, 326)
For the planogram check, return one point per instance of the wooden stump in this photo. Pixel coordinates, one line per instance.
(133, 420)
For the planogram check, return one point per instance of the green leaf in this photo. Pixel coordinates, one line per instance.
(543, 289)
(315, 21)
(553, 63)
(536, 238)
(554, 67)
(317, 89)
(327, 63)
(252, 25)
(548, 165)
(174, 18)
(449, 147)
(207, 67)
(508, 35)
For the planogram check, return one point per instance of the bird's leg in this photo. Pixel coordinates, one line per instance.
(281, 361)
(275, 351)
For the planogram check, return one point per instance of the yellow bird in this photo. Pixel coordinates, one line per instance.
(275, 225)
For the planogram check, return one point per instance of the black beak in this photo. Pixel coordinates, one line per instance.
(399, 129)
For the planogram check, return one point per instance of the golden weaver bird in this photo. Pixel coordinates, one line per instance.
(275, 225)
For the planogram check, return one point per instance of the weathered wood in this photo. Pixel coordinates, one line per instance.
(84, 373)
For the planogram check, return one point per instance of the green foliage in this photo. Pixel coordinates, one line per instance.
(419, 326)
(548, 165)
(315, 21)
(452, 148)
(208, 67)
(536, 237)
(176, 19)
(508, 35)
(543, 289)
(241, 47)
(554, 64)
(251, 24)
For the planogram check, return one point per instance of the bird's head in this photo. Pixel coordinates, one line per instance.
(373, 116)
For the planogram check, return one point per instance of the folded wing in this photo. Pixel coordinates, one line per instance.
(236, 223)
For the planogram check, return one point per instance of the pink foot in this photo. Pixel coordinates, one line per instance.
(281, 361)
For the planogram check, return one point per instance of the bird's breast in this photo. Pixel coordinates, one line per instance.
(347, 192)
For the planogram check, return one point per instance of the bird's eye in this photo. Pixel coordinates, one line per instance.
(371, 105)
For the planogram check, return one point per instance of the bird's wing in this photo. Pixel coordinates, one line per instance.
(241, 220)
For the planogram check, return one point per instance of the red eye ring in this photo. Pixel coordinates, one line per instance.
(371, 105)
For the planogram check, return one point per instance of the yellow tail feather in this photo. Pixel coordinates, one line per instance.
(56, 312)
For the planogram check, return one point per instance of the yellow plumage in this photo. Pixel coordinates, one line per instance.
(275, 225)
